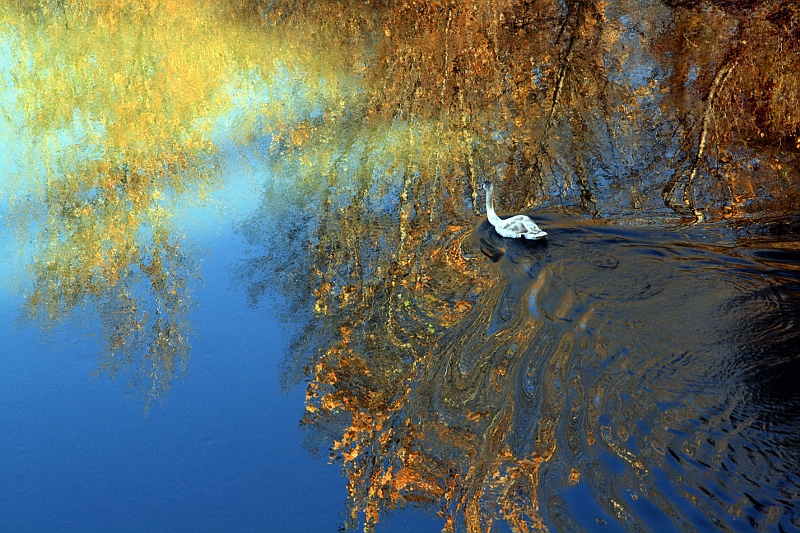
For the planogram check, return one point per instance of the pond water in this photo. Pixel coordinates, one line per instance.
(613, 376)
(247, 282)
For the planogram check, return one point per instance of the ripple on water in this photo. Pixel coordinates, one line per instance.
(656, 377)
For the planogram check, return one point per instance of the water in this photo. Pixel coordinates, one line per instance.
(243, 241)
(223, 453)
(633, 376)
(645, 373)
(616, 376)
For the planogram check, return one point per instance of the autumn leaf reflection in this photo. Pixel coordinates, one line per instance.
(113, 106)
(493, 380)
(444, 366)
(502, 381)
(619, 107)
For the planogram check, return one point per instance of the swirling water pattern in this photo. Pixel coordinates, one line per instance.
(633, 378)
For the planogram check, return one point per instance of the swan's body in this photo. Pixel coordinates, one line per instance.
(512, 227)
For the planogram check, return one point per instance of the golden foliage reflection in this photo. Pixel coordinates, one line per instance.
(486, 378)
(444, 367)
(114, 108)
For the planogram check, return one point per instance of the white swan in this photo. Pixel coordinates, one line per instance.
(513, 227)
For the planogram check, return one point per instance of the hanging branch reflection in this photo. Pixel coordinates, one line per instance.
(110, 247)
(733, 82)
(495, 381)
(114, 115)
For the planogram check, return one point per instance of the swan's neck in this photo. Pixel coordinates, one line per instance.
(490, 213)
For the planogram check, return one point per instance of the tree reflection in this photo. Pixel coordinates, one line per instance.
(495, 380)
(112, 105)
(734, 85)
(444, 366)
(99, 249)
(616, 106)
(532, 378)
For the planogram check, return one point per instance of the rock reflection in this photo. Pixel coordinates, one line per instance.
(612, 375)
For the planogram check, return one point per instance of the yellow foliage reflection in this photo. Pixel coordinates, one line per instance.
(487, 379)
(110, 97)
(115, 106)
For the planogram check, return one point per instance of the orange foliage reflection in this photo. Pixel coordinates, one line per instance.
(437, 377)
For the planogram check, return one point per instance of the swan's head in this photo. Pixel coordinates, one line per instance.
(487, 185)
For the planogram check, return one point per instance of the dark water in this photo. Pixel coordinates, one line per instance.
(632, 378)
(615, 377)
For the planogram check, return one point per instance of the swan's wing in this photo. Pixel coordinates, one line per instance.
(535, 235)
(512, 227)
(524, 226)
(519, 226)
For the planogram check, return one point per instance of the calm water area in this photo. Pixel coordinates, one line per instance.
(223, 453)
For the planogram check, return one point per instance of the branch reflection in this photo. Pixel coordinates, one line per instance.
(112, 110)
(499, 380)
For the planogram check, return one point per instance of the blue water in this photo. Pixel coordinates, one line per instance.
(223, 452)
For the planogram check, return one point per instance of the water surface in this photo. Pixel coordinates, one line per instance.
(245, 239)
(626, 375)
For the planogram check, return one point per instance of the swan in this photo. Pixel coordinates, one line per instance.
(514, 227)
